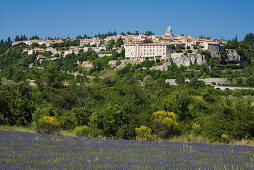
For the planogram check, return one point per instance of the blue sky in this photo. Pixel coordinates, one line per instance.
(62, 18)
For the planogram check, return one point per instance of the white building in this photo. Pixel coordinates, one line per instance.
(147, 50)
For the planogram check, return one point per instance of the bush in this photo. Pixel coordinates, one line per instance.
(1, 119)
(81, 115)
(81, 131)
(196, 128)
(144, 133)
(166, 123)
(67, 120)
(47, 124)
(225, 138)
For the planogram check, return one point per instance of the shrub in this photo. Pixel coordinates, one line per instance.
(196, 128)
(67, 120)
(81, 131)
(48, 125)
(224, 138)
(81, 115)
(166, 123)
(1, 119)
(144, 133)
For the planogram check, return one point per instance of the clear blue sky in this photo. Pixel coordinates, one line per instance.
(62, 18)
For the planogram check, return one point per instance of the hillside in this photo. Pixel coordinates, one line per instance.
(114, 96)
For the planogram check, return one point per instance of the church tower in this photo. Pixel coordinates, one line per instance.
(169, 31)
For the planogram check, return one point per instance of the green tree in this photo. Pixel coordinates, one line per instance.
(249, 38)
(110, 45)
(148, 81)
(119, 42)
(180, 80)
(148, 33)
(181, 108)
(148, 41)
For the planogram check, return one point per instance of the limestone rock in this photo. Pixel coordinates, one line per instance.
(187, 59)
(233, 56)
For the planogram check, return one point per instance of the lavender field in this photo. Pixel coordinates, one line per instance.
(35, 151)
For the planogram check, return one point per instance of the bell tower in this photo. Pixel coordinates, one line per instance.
(169, 31)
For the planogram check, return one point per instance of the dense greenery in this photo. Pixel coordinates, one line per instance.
(115, 105)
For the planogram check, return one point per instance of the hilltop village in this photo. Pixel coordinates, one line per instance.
(183, 50)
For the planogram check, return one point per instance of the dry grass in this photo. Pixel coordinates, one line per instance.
(242, 142)
(30, 129)
(189, 139)
(107, 73)
(17, 128)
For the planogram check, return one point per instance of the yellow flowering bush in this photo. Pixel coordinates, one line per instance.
(144, 133)
(81, 131)
(225, 138)
(48, 125)
(196, 128)
(166, 123)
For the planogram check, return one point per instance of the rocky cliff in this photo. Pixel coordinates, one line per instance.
(233, 56)
(187, 59)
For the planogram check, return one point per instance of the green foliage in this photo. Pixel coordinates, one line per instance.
(249, 38)
(67, 120)
(208, 97)
(110, 45)
(181, 107)
(119, 42)
(1, 118)
(44, 109)
(82, 115)
(147, 41)
(180, 80)
(48, 125)
(15, 103)
(234, 118)
(148, 81)
(149, 33)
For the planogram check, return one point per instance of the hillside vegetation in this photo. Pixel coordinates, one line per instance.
(114, 102)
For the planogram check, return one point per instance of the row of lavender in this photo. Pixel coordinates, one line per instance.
(25, 151)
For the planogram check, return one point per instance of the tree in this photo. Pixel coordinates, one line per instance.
(17, 38)
(15, 103)
(110, 45)
(182, 106)
(35, 37)
(180, 80)
(148, 81)
(149, 33)
(119, 42)
(249, 38)
(250, 81)
(148, 41)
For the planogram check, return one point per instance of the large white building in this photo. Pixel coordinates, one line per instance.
(147, 50)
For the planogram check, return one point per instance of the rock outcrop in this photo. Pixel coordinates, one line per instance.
(187, 59)
(233, 56)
